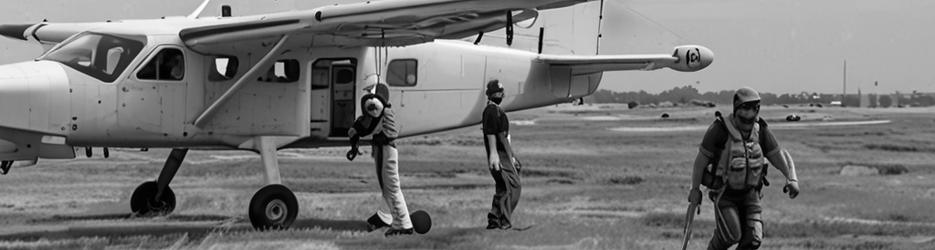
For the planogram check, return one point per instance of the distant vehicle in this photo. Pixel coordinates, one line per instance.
(835, 103)
(697, 102)
(793, 117)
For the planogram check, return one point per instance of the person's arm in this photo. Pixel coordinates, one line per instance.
(491, 128)
(506, 144)
(354, 133)
(701, 162)
(714, 136)
(775, 155)
(787, 169)
(493, 158)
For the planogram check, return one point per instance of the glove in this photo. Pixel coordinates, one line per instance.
(353, 153)
(694, 196)
(792, 187)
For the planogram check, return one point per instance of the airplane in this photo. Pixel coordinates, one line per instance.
(282, 80)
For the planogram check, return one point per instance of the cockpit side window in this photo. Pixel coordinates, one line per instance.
(101, 56)
(167, 65)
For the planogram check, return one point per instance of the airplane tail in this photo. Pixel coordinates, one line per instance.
(575, 76)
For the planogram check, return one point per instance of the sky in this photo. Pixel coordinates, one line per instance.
(778, 46)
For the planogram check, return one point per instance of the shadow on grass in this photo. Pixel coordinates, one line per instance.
(799, 229)
(126, 225)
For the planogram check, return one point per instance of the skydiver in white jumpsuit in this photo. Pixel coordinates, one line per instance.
(378, 120)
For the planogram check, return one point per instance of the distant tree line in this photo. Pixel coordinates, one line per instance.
(688, 94)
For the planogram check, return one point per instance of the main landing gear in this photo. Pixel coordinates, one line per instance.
(272, 207)
(153, 198)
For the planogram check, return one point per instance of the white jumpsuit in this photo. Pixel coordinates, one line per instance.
(385, 156)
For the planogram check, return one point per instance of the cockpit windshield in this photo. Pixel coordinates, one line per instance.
(99, 55)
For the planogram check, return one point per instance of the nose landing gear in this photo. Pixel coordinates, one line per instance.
(5, 167)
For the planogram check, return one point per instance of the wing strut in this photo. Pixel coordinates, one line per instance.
(211, 109)
(194, 14)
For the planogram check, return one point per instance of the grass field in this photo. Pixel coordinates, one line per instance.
(595, 177)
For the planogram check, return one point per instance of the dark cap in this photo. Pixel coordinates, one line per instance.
(493, 86)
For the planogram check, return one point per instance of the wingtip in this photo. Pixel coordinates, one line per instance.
(14, 31)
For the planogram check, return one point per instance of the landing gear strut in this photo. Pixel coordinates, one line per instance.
(5, 167)
(153, 198)
(273, 206)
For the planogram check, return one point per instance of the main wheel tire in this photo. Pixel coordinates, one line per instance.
(143, 202)
(273, 207)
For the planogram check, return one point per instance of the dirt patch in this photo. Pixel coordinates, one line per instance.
(855, 169)
(624, 180)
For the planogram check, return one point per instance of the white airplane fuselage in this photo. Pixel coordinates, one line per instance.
(447, 92)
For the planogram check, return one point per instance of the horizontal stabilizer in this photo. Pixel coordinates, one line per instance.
(687, 58)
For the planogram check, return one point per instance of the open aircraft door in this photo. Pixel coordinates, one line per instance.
(153, 99)
(333, 99)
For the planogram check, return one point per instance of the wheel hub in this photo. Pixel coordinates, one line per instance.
(276, 211)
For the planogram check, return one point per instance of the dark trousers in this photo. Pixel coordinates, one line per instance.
(738, 219)
(507, 192)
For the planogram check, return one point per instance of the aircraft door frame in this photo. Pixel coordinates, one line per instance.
(333, 96)
(155, 105)
(343, 98)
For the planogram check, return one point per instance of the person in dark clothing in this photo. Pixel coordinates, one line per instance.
(502, 162)
(379, 120)
(731, 163)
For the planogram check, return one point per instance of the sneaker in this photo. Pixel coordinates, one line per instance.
(506, 226)
(492, 226)
(394, 232)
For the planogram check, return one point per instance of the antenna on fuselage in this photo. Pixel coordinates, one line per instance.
(198, 10)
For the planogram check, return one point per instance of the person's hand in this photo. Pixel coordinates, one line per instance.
(494, 163)
(792, 187)
(694, 196)
(518, 165)
(353, 153)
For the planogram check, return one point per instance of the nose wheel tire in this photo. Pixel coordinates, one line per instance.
(421, 221)
(273, 207)
(143, 202)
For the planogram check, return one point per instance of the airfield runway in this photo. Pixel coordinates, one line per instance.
(595, 177)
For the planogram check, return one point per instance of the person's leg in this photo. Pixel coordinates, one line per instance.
(753, 223)
(378, 220)
(727, 219)
(512, 188)
(392, 192)
(497, 205)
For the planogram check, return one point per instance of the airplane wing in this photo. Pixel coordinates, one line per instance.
(687, 58)
(374, 23)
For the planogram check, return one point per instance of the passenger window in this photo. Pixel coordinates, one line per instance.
(168, 65)
(402, 73)
(282, 71)
(223, 68)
